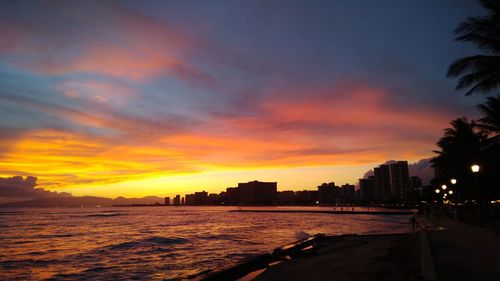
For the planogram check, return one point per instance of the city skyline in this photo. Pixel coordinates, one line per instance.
(129, 98)
(17, 187)
(391, 182)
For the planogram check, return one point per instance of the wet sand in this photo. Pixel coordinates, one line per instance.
(370, 257)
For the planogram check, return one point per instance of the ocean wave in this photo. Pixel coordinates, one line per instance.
(8, 213)
(15, 264)
(53, 235)
(227, 237)
(156, 241)
(107, 215)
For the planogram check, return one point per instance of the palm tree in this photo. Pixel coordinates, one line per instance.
(460, 146)
(480, 73)
(490, 123)
(491, 120)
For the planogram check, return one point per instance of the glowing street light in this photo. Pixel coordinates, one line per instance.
(450, 192)
(444, 186)
(437, 190)
(474, 168)
(453, 181)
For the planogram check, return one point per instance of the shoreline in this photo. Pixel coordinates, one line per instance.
(439, 250)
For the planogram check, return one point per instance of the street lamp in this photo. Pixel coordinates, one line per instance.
(454, 182)
(450, 192)
(474, 168)
(437, 190)
(444, 186)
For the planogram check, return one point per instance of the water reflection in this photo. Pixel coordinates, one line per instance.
(157, 242)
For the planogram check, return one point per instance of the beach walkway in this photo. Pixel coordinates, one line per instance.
(464, 252)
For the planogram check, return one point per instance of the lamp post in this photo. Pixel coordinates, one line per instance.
(454, 183)
(457, 197)
(475, 170)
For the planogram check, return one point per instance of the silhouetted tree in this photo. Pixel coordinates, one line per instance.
(480, 73)
(490, 123)
(460, 146)
(491, 118)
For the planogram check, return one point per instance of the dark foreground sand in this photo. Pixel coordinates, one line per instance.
(372, 257)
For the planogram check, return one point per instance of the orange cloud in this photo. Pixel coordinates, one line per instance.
(98, 92)
(68, 159)
(322, 130)
(119, 61)
(114, 41)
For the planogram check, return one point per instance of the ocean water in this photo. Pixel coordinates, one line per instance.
(156, 243)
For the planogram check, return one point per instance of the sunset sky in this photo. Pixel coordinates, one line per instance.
(140, 98)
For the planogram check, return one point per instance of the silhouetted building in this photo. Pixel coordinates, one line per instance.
(198, 198)
(415, 183)
(214, 199)
(326, 193)
(189, 199)
(367, 189)
(416, 190)
(182, 201)
(256, 192)
(346, 194)
(201, 198)
(400, 180)
(232, 197)
(286, 197)
(307, 197)
(177, 200)
(167, 201)
(382, 176)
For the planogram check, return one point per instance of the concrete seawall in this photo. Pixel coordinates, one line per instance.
(344, 257)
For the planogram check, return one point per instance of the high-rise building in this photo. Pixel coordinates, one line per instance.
(416, 189)
(256, 192)
(382, 176)
(367, 189)
(201, 198)
(400, 180)
(326, 193)
(177, 200)
(348, 193)
(167, 201)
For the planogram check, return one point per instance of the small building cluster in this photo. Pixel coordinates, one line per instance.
(390, 183)
(266, 193)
